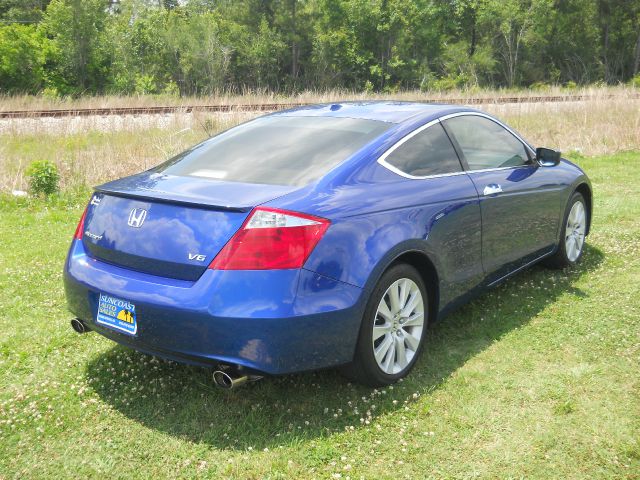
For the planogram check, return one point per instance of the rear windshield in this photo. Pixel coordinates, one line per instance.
(276, 150)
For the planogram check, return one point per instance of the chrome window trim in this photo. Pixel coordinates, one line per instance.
(382, 159)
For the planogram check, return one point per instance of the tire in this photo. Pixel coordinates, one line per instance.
(400, 324)
(571, 246)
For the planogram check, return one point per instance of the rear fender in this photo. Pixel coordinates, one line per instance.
(409, 246)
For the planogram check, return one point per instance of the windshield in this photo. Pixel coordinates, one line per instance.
(276, 150)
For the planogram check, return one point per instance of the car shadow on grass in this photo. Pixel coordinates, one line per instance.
(182, 401)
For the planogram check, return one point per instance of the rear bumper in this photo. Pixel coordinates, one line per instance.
(275, 322)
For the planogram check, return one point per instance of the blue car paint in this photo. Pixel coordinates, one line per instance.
(522, 221)
(282, 321)
(278, 321)
(194, 191)
(393, 112)
(448, 222)
(194, 231)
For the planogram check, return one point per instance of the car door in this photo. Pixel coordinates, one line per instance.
(450, 203)
(518, 199)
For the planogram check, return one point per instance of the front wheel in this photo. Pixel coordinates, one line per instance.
(393, 328)
(573, 234)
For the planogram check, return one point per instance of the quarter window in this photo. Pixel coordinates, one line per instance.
(429, 152)
(485, 143)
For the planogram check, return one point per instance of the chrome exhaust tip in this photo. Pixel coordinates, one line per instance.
(229, 379)
(79, 326)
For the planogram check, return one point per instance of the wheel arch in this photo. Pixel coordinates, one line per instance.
(407, 253)
(429, 274)
(585, 190)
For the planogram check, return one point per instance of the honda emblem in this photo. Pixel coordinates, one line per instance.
(136, 217)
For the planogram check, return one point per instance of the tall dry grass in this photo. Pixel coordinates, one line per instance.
(40, 102)
(595, 127)
(91, 150)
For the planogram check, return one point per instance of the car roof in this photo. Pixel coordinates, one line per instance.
(384, 111)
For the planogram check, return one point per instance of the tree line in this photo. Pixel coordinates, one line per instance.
(188, 47)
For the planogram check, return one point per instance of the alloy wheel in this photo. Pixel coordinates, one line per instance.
(575, 230)
(398, 326)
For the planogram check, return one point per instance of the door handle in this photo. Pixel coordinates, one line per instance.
(492, 189)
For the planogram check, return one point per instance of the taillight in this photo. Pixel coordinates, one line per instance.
(80, 227)
(271, 239)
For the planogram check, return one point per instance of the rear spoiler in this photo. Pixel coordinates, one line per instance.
(174, 199)
(194, 192)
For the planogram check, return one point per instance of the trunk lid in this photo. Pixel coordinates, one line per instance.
(166, 225)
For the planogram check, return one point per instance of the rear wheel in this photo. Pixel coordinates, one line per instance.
(573, 234)
(393, 328)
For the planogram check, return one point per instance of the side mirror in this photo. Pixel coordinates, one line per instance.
(547, 157)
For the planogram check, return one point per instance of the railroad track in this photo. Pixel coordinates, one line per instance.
(263, 107)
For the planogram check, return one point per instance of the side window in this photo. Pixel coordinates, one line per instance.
(486, 144)
(429, 152)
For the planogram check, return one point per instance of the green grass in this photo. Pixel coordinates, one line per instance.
(540, 378)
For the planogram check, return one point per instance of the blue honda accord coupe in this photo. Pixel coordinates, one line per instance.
(323, 236)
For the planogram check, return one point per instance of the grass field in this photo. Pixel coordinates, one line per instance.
(540, 378)
(92, 150)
